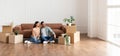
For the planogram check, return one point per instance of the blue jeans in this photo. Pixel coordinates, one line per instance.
(47, 38)
(35, 40)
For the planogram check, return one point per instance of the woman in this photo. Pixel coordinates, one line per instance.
(35, 34)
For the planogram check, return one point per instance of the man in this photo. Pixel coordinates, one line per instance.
(47, 33)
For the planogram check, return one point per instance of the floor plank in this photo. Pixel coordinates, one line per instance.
(86, 47)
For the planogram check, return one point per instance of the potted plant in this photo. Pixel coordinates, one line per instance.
(16, 32)
(69, 21)
(67, 39)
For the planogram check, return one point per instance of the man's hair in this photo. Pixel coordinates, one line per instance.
(35, 24)
(42, 22)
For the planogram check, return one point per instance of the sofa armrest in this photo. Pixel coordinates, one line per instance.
(18, 28)
(63, 29)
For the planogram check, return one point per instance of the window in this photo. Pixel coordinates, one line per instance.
(113, 2)
(113, 14)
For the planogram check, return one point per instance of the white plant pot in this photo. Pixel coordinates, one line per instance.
(63, 35)
(70, 24)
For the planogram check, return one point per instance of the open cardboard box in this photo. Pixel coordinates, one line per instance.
(16, 38)
(7, 29)
(4, 37)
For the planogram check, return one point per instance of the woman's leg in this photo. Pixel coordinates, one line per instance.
(35, 40)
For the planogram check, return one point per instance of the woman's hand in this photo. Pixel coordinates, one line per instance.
(38, 37)
(54, 36)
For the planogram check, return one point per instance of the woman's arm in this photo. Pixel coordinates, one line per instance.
(33, 33)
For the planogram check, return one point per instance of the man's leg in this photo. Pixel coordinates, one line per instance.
(44, 38)
(51, 38)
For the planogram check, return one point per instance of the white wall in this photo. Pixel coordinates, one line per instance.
(82, 15)
(28, 11)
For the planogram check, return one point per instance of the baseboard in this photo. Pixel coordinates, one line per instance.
(83, 33)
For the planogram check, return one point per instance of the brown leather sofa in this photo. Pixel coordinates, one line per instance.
(26, 29)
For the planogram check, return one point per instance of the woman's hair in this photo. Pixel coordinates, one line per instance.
(35, 24)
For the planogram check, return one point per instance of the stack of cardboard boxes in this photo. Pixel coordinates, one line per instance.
(6, 32)
(73, 33)
(7, 35)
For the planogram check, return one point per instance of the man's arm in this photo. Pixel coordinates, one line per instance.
(52, 32)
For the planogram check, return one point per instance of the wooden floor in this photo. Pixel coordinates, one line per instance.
(86, 47)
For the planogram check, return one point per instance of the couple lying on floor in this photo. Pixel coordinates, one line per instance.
(41, 34)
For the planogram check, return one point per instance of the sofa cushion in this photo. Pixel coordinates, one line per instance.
(58, 32)
(27, 33)
(54, 26)
(26, 26)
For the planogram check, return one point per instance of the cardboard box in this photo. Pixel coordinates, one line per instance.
(75, 37)
(7, 28)
(70, 29)
(61, 40)
(4, 37)
(16, 38)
